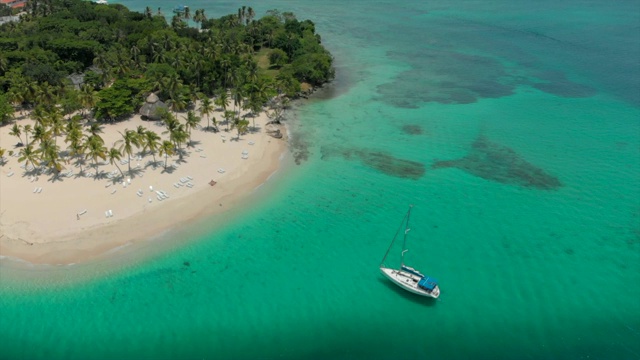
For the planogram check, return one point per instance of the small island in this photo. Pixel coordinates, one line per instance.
(116, 126)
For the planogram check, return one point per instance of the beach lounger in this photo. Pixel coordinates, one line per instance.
(39, 190)
(251, 143)
(221, 171)
(113, 192)
(35, 190)
(10, 174)
(245, 156)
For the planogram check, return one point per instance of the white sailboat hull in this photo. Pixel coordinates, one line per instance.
(409, 282)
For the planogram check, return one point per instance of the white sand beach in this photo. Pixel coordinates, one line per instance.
(75, 218)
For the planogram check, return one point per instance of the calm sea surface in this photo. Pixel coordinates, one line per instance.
(513, 126)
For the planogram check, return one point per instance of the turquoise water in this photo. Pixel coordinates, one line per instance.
(534, 235)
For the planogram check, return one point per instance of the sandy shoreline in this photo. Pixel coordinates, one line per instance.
(68, 220)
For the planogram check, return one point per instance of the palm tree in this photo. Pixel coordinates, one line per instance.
(135, 54)
(141, 132)
(177, 23)
(56, 124)
(206, 108)
(76, 149)
(95, 150)
(173, 85)
(114, 155)
(129, 138)
(39, 115)
(94, 130)
(228, 116)
(199, 16)
(46, 95)
(28, 155)
(177, 104)
(250, 14)
(16, 96)
(39, 133)
(27, 131)
(88, 97)
(166, 148)
(51, 153)
(223, 100)
(151, 142)
(16, 131)
(241, 126)
(237, 94)
(187, 13)
(176, 131)
(192, 122)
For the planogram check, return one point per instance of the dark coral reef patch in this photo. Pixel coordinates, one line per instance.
(412, 129)
(502, 164)
(381, 161)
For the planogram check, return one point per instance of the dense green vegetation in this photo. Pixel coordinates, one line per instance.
(125, 55)
(117, 57)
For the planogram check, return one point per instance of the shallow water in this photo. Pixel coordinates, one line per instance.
(525, 271)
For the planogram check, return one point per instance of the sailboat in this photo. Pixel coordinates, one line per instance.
(407, 277)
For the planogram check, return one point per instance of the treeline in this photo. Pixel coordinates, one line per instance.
(120, 56)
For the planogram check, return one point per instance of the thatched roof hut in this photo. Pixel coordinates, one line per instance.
(151, 106)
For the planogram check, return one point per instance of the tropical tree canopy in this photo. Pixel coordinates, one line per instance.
(107, 59)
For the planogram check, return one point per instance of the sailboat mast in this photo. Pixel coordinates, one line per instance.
(395, 237)
(404, 241)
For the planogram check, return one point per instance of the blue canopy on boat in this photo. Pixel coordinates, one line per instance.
(428, 283)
